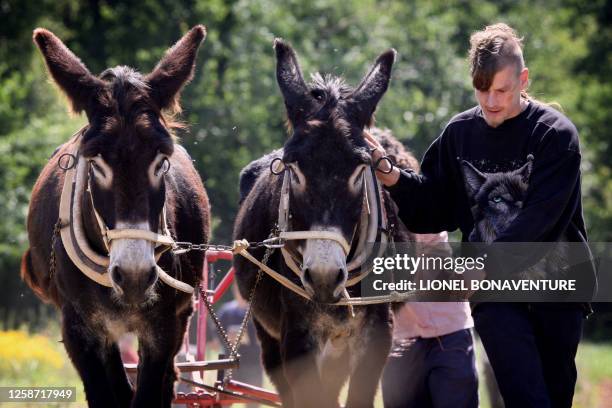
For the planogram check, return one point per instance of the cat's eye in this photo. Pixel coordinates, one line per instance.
(497, 199)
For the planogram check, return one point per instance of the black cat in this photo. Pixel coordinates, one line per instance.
(497, 199)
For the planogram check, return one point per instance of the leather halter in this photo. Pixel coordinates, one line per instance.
(372, 225)
(87, 260)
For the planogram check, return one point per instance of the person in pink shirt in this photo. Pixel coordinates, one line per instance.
(432, 362)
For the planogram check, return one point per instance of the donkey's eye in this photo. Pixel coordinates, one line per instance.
(318, 94)
(298, 180)
(162, 167)
(97, 168)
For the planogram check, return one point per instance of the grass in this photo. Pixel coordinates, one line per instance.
(40, 360)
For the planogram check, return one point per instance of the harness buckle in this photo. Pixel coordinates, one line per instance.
(274, 242)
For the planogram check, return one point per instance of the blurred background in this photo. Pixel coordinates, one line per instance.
(235, 112)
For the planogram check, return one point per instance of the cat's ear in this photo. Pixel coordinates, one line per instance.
(525, 170)
(473, 178)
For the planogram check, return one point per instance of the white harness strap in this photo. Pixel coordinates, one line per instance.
(373, 228)
(92, 264)
(240, 247)
(372, 219)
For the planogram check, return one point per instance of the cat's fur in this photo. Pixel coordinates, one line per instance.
(497, 199)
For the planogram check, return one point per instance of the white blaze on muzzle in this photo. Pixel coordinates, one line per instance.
(132, 254)
(325, 259)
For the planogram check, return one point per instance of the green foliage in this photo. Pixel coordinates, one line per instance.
(235, 110)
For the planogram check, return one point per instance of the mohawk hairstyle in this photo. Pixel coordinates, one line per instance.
(491, 50)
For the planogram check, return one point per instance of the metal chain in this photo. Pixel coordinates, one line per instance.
(247, 315)
(184, 247)
(56, 230)
(233, 348)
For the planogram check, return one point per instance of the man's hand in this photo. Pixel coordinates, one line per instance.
(378, 152)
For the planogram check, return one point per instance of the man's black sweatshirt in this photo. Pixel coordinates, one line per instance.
(437, 199)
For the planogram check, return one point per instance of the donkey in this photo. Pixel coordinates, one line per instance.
(138, 178)
(309, 347)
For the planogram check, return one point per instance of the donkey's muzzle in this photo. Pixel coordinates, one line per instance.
(133, 285)
(324, 286)
(324, 270)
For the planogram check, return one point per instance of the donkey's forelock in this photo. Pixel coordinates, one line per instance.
(125, 93)
(125, 87)
(334, 88)
(330, 128)
(126, 116)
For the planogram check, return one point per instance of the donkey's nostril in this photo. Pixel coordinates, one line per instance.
(307, 276)
(340, 277)
(152, 276)
(116, 275)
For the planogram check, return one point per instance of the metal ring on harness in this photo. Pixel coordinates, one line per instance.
(273, 164)
(71, 162)
(388, 160)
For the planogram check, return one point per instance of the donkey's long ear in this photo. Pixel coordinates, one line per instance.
(291, 82)
(373, 86)
(68, 72)
(473, 178)
(175, 69)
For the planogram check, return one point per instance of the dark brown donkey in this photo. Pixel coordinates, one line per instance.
(136, 178)
(310, 348)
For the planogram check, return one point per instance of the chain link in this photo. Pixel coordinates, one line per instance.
(233, 348)
(52, 262)
(184, 247)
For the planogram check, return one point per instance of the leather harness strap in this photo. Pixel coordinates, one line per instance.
(91, 263)
(373, 228)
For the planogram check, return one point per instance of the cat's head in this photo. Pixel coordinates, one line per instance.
(497, 197)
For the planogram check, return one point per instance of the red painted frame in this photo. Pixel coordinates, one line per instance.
(201, 397)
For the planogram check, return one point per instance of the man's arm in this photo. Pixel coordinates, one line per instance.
(425, 201)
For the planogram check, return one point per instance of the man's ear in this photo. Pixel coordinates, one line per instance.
(524, 78)
(175, 69)
(67, 70)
